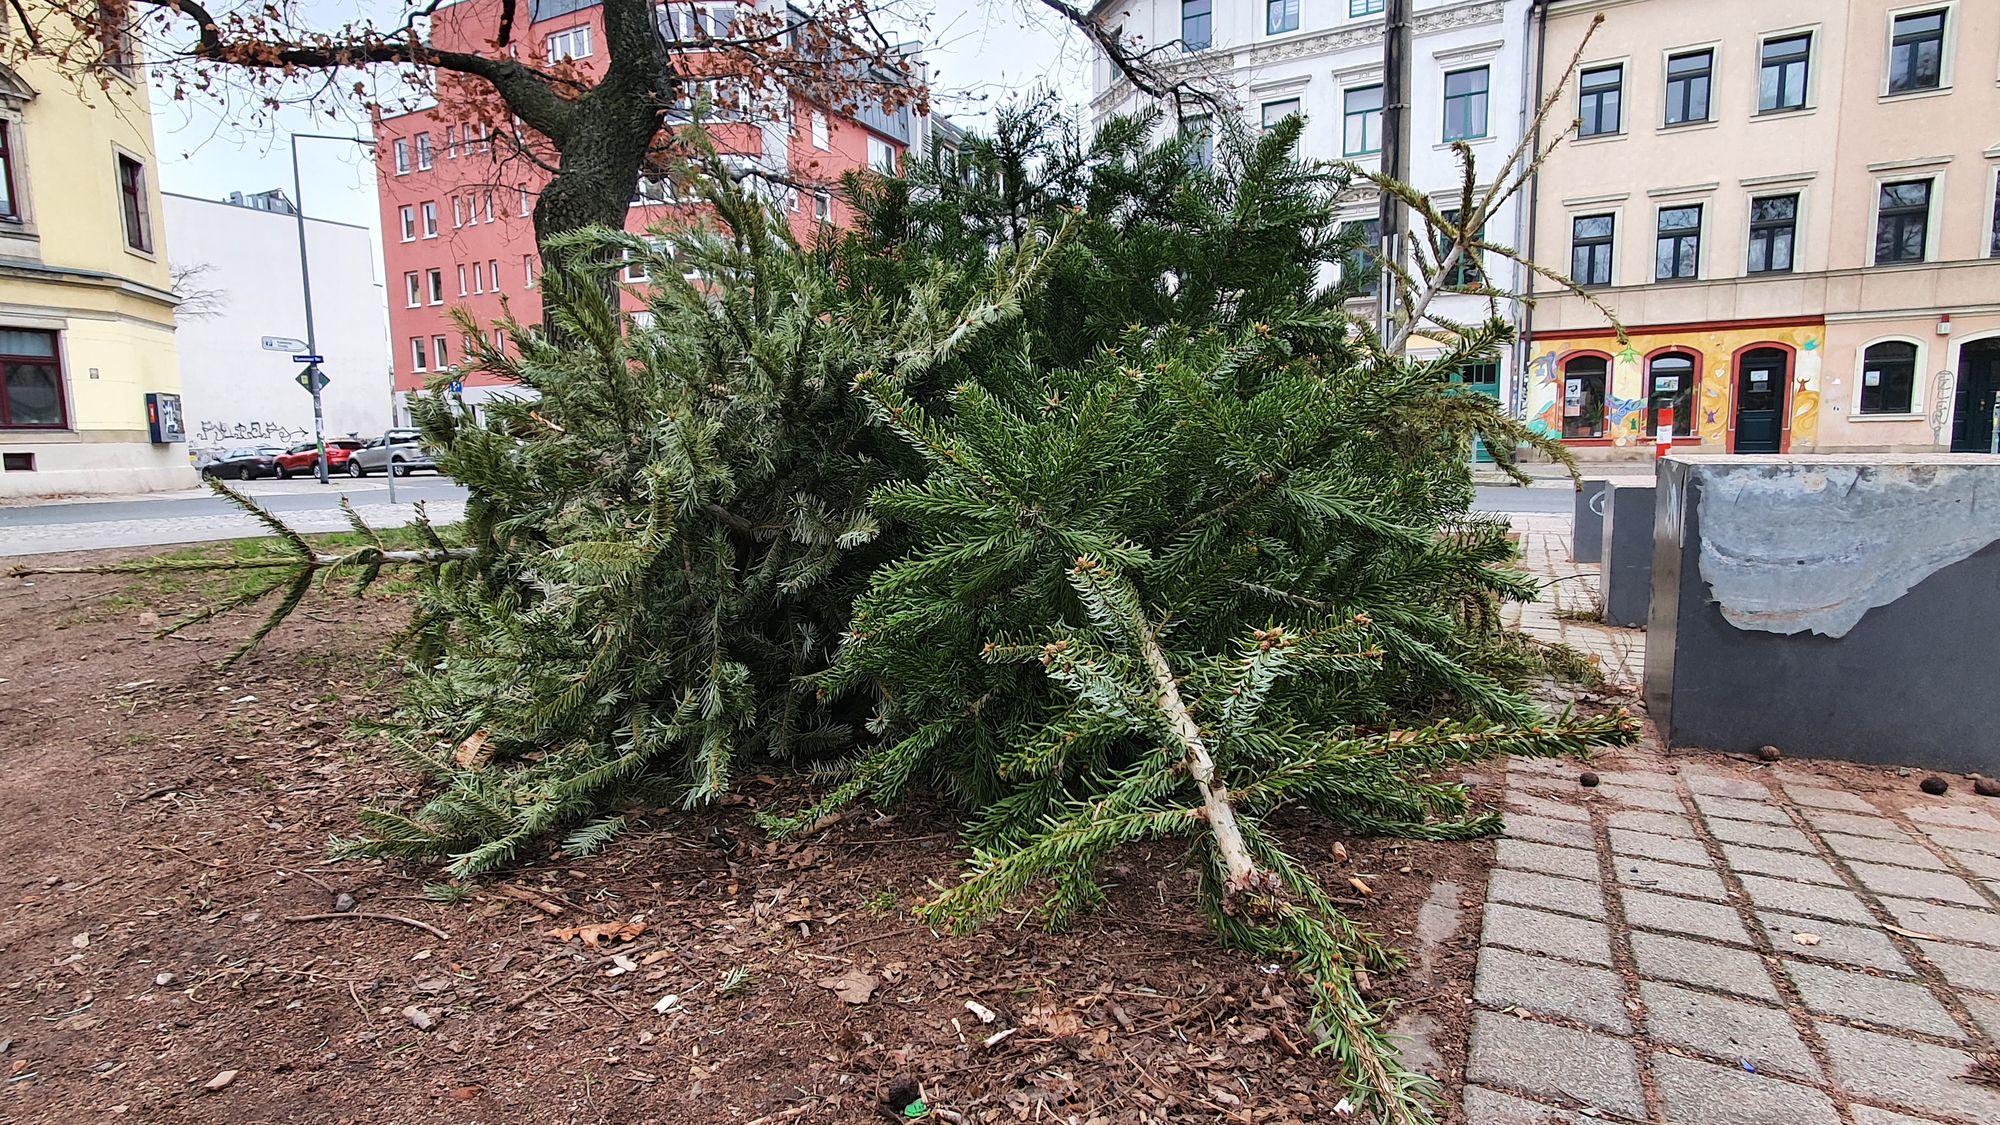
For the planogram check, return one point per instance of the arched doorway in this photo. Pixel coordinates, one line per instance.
(1763, 375)
(1670, 386)
(1583, 396)
(1978, 389)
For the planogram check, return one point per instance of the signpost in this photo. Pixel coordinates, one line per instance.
(282, 344)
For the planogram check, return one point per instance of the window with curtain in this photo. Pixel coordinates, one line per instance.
(1465, 104)
(1361, 121)
(31, 381)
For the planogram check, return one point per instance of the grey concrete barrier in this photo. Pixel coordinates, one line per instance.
(1627, 574)
(1587, 531)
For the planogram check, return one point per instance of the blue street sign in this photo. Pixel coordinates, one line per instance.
(308, 359)
(456, 387)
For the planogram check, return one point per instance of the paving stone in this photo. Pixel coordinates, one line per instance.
(1954, 816)
(1438, 920)
(1490, 1107)
(1804, 898)
(1648, 875)
(1852, 824)
(1416, 1036)
(1907, 882)
(1716, 785)
(1507, 979)
(1525, 855)
(1540, 765)
(1869, 1115)
(1557, 935)
(1527, 888)
(1876, 850)
(1532, 805)
(1658, 800)
(1979, 863)
(1638, 779)
(1732, 1029)
(1905, 1072)
(1864, 946)
(1981, 927)
(1827, 798)
(1985, 1013)
(1624, 841)
(1760, 835)
(1958, 839)
(1558, 1063)
(1544, 830)
(1880, 1000)
(1732, 808)
(1682, 916)
(1964, 965)
(1783, 865)
(1710, 966)
(1722, 1095)
(1658, 823)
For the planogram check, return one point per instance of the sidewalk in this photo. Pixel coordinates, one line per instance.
(1557, 476)
(1569, 609)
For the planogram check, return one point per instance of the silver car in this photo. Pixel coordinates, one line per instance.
(399, 451)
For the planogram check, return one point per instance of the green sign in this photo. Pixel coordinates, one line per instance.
(312, 379)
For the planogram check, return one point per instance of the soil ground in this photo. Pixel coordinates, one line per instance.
(165, 828)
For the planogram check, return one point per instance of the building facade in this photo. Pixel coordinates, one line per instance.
(1322, 59)
(1790, 206)
(91, 388)
(457, 204)
(238, 261)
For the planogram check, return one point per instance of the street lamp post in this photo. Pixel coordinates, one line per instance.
(313, 380)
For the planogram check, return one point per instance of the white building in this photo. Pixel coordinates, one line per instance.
(1323, 60)
(236, 267)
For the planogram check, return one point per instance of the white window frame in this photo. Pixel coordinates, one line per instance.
(430, 213)
(419, 354)
(489, 205)
(478, 278)
(1815, 63)
(408, 215)
(823, 206)
(457, 213)
(526, 207)
(1950, 48)
(434, 285)
(527, 271)
(461, 281)
(401, 148)
(441, 352)
(881, 155)
(1989, 229)
(451, 142)
(569, 43)
(822, 134)
(1917, 380)
(413, 283)
(493, 275)
(425, 155)
(1933, 173)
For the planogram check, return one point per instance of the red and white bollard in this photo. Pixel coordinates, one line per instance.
(1663, 438)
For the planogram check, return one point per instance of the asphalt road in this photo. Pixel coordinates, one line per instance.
(1508, 498)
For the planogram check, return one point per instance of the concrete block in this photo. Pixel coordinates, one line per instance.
(1672, 878)
(1624, 841)
(1729, 1095)
(1556, 935)
(1490, 1107)
(1658, 823)
(1954, 923)
(1506, 979)
(1908, 882)
(1737, 971)
(1587, 528)
(1783, 865)
(1827, 798)
(1760, 835)
(1804, 898)
(1724, 1028)
(1525, 855)
(1964, 966)
(1547, 830)
(1877, 850)
(1904, 1072)
(1558, 1063)
(1760, 809)
(1672, 915)
(1628, 555)
(1828, 991)
(1963, 840)
(1875, 826)
(1869, 1115)
(1548, 892)
(1723, 785)
(1865, 946)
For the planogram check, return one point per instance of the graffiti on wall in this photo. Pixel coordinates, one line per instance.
(1625, 394)
(274, 433)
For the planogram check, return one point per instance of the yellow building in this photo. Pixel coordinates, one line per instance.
(89, 382)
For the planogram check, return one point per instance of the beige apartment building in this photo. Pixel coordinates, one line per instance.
(1790, 206)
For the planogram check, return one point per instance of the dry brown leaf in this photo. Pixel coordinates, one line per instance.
(1355, 882)
(1340, 851)
(472, 754)
(1806, 939)
(596, 934)
(852, 988)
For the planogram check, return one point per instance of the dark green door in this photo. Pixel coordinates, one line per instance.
(1978, 388)
(1480, 378)
(1761, 380)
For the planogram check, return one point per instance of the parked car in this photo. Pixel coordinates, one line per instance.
(303, 457)
(399, 451)
(244, 464)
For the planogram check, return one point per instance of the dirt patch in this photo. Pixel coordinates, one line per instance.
(163, 821)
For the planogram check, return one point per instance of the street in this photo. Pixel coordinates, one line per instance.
(196, 515)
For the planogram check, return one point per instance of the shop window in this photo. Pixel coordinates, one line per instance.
(31, 371)
(1583, 396)
(1670, 386)
(1888, 377)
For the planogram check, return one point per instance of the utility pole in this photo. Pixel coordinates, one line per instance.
(1395, 154)
(314, 384)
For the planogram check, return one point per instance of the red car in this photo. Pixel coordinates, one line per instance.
(302, 457)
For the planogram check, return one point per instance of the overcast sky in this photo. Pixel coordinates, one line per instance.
(979, 53)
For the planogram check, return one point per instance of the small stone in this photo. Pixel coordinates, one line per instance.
(164, 979)
(1934, 785)
(418, 1018)
(221, 1079)
(1587, 779)
(343, 903)
(1769, 753)
(1986, 787)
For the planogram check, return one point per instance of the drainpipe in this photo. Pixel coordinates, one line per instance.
(1524, 223)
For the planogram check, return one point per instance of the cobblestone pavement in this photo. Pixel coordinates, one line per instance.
(1707, 941)
(1569, 611)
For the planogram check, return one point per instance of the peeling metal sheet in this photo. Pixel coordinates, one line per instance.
(1805, 545)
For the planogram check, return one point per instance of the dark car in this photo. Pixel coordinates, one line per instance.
(303, 457)
(244, 464)
(398, 451)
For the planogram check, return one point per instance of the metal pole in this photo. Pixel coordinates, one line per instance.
(1395, 151)
(306, 290)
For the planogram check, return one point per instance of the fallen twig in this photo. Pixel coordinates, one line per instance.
(377, 915)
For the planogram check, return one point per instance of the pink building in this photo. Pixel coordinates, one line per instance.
(457, 202)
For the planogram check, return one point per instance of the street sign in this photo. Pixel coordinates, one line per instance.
(312, 379)
(456, 387)
(308, 359)
(283, 344)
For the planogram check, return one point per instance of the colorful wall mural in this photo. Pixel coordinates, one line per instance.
(1716, 349)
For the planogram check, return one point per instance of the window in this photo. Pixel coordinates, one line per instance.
(451, 142)
(457, 213)
(526, 207)
(1781, 83)
(1363, 263)
(1773, 226)
(822, 206)
(409, 217)
(527, 271)
(1677, 246)
(1688, 79)
(32, 373)
(1992, 247)
(1469, 270)
(1598, 98)
(1916, 52)
(1361, 112)
(1200, 130)
(1465, 104)
(461, 281)
(1590, 249)
(1274, 112)
(819, 133)
(430, 220)
(1888, 377)
(493, 274)
(9, 209)
(439, 353)
(881, 155)
(423, 152)
(1280, 16)
(1670, 386)
(1902, 221)
(402, 158)
(435, 280)
(1364, 7)
(1197, 24)
(115, 38)
(414, 287)
(418, 356)
(571, 44)
(1583, 397)
(132, 203)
